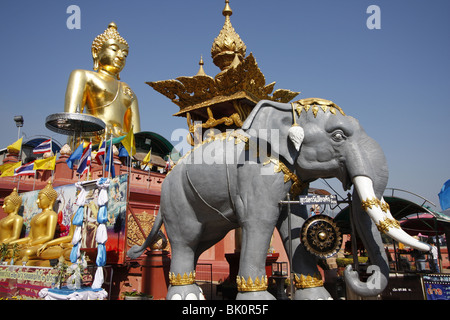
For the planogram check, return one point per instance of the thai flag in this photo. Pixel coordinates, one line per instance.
(44, 147)
(85, 160)
(100, 157)
(25, 170)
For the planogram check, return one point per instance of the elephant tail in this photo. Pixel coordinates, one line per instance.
(135, 251)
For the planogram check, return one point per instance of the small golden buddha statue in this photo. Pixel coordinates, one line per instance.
(100, 91)
(11, 226)
(42, 226)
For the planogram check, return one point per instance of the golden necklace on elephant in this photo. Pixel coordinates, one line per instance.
(100, 92)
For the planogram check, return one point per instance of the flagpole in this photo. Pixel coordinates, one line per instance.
(18, 184)
(110, 154)
(149, 164)
(89, 167)
(104, 157)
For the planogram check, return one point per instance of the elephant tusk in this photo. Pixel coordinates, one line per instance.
(379, 212)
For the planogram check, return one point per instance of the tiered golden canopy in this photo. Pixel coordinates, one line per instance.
(226, 100)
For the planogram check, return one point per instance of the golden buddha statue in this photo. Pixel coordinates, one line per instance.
(100, 91)
(11, 226)
(42, 226)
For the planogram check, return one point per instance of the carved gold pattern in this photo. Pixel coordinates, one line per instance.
(309, 281)
(386, 224)
(250, 285)
(191, 93)
(297, 185)
(178, 280)
(315, 105)
(228, 46)
(321, 236)
(374, 202)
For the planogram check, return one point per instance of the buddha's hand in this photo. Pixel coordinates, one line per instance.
(41, 249)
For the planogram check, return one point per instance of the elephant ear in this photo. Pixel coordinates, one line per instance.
(268, 115)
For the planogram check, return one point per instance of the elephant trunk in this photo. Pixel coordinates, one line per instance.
(371, 216)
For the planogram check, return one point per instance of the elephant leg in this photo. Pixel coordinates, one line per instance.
(182, 274)
(252, 280)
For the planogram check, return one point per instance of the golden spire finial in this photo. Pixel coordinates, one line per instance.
(201, 72)
(228, 45)
(227, 10)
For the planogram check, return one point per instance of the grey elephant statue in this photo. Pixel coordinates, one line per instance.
(238, 178)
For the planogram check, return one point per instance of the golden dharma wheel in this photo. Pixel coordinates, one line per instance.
(321, 236)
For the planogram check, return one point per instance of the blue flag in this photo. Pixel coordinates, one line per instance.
(123, 152)
(109, 163)
(75, 156)
(444, 196)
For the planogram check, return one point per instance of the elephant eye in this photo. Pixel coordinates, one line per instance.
(338, 136)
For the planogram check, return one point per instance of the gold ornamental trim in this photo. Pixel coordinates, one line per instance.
(250, 285)
(309, 281)
(297, 185)
(386, 224)
(374, 202)
(178, 280)
(315, 105)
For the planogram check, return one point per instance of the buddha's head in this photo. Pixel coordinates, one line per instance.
(47, 197)
(12, 202)
(110, 51)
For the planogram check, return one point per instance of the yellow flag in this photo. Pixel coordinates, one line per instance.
(45, 164)
(128, 143)
(10, 171)
(6, 166)
(147, 157)
(17, 146)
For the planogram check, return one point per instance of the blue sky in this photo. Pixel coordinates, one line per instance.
(395, 80)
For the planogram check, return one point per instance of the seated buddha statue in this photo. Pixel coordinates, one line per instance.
(100, 92)
(11, 225)
(42, 227)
